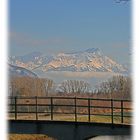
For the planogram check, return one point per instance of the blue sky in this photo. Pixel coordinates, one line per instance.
(52, 26)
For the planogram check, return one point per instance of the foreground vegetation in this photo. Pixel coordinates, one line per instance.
(29, 137)
(80, 118)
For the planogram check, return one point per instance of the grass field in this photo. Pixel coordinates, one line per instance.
(80, 118)
(28, 137)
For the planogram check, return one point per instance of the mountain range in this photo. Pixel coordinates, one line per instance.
(19, 71)
(88, 60)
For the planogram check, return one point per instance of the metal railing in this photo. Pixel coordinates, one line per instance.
(70, 109)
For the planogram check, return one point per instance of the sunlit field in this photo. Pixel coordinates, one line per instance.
(29, 137)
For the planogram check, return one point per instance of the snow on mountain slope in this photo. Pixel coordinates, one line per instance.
(19, 71)
(89, 60)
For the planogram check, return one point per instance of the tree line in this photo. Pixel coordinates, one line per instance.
(114, 87)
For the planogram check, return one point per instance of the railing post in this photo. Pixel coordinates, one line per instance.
(51, 108)
(15, 108)
(112, 121)
(121, 111)
(36, 108)
(75, 106)
(88, 109)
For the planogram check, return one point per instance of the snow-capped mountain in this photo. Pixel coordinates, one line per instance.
(89, 60)
(19, 71)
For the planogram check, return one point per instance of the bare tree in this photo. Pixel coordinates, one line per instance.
(48, 84)
(29, 86)
(117, 86)
(74, 86)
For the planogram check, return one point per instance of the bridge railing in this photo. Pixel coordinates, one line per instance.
(70, 109)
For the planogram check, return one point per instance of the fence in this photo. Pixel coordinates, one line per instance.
(70, 109)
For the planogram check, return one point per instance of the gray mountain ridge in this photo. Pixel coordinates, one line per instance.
(19, 71)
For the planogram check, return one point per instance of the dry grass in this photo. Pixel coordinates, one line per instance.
(80, 118)
(29, 137)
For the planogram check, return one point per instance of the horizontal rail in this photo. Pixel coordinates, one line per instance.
(59, 97)
(67, 113)
(107, 107)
